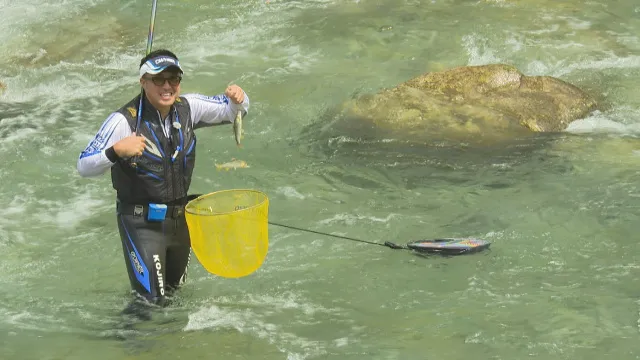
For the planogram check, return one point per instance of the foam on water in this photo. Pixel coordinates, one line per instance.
(351, 219)
(600, 123)
(25, 320)
(251, 315)
(479, 51)
(69, 213)
(619, 119)
(11, 216)
(17, 15)
(609, 61)
(290, 192)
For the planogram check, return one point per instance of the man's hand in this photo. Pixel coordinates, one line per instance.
(130, 146)
(235, 93)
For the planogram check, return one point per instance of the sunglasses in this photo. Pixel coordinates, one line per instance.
(159, 80)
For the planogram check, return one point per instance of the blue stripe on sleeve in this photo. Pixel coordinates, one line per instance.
(101, 139)
(217, 99)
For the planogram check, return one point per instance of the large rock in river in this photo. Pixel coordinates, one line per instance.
(469, 104)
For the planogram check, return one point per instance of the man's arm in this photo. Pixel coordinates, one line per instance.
(214, 110)
(99, 155)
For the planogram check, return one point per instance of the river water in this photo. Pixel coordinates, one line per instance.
(560, 280)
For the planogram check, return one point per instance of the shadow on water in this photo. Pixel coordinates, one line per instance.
(137, 328)
(335, 140)
(147, 331)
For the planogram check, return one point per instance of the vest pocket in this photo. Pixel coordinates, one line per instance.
(148, 174)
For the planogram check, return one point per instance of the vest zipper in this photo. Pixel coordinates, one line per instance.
(173, 173)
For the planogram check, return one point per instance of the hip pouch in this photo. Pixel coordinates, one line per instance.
(157, 212)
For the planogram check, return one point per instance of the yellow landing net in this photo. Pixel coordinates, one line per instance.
(229, 231)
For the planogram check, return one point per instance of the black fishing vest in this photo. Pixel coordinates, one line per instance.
(163, 173)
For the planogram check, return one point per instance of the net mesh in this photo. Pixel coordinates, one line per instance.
(229, 231)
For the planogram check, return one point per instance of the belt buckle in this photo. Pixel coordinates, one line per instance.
(177, 211)
(138, 210)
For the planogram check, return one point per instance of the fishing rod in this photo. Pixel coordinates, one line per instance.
(443, 246)
(154, 6)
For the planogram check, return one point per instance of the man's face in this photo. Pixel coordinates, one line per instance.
(162, 89)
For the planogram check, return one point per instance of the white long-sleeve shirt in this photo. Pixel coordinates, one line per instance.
(205, 111)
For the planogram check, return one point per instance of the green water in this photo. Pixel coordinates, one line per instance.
(561, 210)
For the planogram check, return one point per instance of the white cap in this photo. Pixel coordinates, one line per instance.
(158, 64)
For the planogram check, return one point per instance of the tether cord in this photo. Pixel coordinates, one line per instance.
(386, 244)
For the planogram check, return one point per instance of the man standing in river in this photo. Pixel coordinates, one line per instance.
(150, 146)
